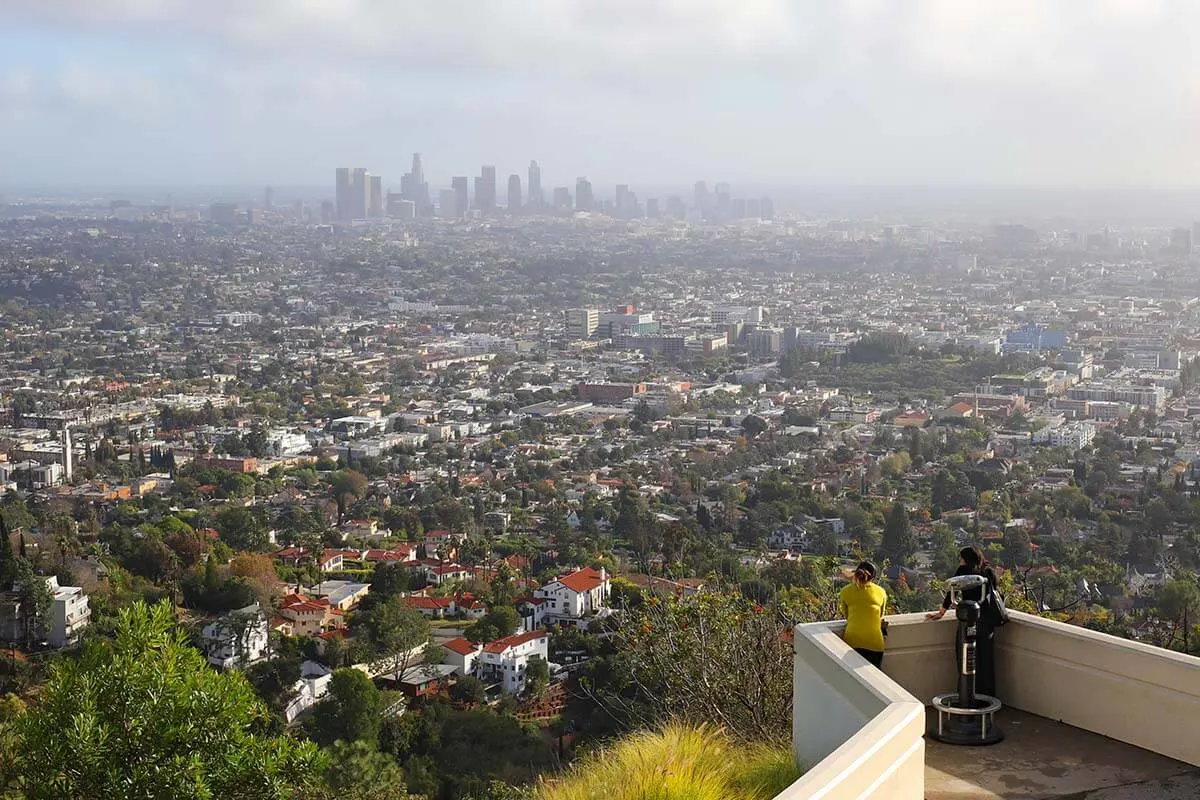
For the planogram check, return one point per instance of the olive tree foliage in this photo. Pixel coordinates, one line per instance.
(717, 658)
(145, 716)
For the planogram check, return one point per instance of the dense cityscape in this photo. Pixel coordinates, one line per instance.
(594, 400)
(434, 478)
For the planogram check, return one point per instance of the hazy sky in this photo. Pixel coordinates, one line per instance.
(172, 92)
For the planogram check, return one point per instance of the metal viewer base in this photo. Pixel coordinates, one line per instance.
(969, 726)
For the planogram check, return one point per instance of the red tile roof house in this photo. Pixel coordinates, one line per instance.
(504, 661)
(582, 593)
(434, 607)
(462, 654)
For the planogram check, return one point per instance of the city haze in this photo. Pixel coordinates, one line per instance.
(157, 93)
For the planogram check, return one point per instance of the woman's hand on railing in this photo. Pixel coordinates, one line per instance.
(941, 612)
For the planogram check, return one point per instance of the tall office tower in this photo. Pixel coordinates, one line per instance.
(413, 186)
(622, 200)
(675, 207)
(583, 195)
(360, 193)
(724, 202)
(766, 208)
(68, 457)
(535, 186)
(651, 208)
(462, 198)
(562, 199)
(447, 202)
(485, 190)
(268, 198)
(375, 207)
(328, 212)
(514, 194)
(342, 193)
(418, 172)
(700, 197)
(582, 323)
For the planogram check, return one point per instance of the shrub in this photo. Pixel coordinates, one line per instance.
(677, 762)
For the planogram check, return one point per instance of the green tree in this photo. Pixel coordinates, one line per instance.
(499, 622)
(945, 551)
(241, 529)
(34, 599)
(1179, 604)
(357, 771)
(537, 677)
(899, 542)
(144, 716)
(352, 712)
(469, 690)
(395, 633)
(389, 579)
(346, 486)
(716, 658)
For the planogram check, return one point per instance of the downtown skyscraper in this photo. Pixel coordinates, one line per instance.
(353, 193)
(534, 187)
(485, 191)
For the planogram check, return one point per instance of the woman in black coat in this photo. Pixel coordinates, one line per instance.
(972, 562)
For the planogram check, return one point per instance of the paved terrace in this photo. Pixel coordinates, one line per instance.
(1087, 717)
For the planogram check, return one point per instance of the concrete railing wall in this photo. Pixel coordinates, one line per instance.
(859, 733)
(856, 732)
(1132, 692)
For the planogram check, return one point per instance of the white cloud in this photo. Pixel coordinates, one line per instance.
(939, 89)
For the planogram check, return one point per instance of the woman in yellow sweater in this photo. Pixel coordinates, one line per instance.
(863, 603)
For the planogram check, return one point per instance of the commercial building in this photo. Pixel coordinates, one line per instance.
(514, 194)
(535, 187)
(485, 191)
(609, 393)
(462, 198)
(582, 323)
(584, 201)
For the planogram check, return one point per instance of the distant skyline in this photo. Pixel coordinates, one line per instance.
(174, 93)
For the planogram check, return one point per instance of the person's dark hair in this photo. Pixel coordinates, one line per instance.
(865, 572)
(973, 557)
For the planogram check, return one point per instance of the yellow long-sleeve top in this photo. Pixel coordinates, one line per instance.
(863, 607)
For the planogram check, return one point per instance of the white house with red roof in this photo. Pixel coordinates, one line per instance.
(578, 594)
(433, 607)
(504, 661)
(438, 573)
(462, 654)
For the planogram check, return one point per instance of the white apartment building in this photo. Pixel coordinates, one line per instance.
(66, 618)
(505, 661)
(237, 639)
(69, 614)
(1075, 436)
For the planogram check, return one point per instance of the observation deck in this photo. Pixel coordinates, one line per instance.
(1087, 717)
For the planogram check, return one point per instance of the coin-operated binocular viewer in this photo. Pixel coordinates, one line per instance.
(965, 717)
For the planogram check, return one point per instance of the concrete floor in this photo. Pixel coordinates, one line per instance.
(1040, 758)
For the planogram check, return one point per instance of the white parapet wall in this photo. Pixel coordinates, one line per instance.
(857, 734)
(1132, 692)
